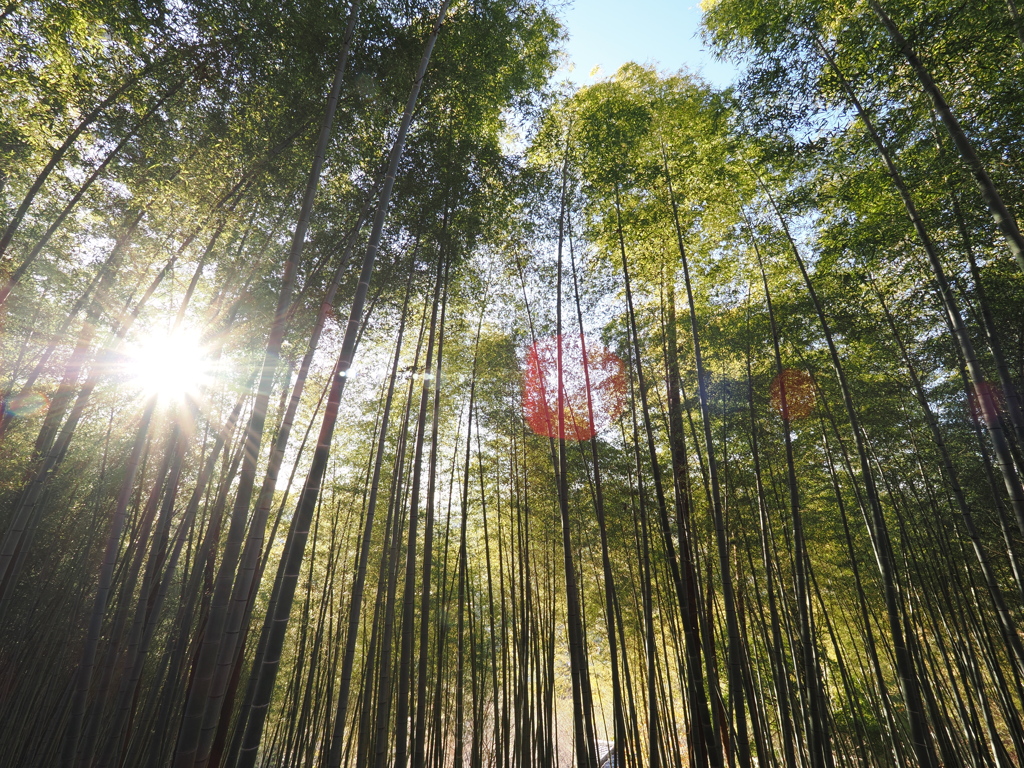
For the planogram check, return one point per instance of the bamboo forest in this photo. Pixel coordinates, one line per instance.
(372, 395)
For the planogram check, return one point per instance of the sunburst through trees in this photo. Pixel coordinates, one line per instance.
(369, 400)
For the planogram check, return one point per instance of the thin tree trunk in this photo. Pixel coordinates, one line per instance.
(419, 732)
(819, 741)
(311, 489)
(728, 591)
(409, 588)
(776, 650)
(585, 749)
(359, 581)
(69, 752)
(986, 403)
(705, 747)
(619, 726)
(50, 446)
(202, 710)
(58, 154)
(463, 570)
(1000, 213)
(879, 534)
(9, 283)
(1006, 623)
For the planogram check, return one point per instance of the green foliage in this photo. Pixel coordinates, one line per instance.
(198, 119)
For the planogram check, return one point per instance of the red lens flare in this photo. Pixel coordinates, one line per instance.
(792, 394)
(607, 379)
(983, 397)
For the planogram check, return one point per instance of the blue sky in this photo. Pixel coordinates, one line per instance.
(608, 33)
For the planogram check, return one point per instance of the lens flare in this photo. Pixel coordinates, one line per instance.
(20, 406)
(792, 394)
(604, 373)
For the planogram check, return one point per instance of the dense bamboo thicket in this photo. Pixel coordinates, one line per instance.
(369, 399)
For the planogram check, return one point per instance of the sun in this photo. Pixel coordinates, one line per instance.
(169, 365)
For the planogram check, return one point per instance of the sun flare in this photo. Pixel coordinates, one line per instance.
(169, 366)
